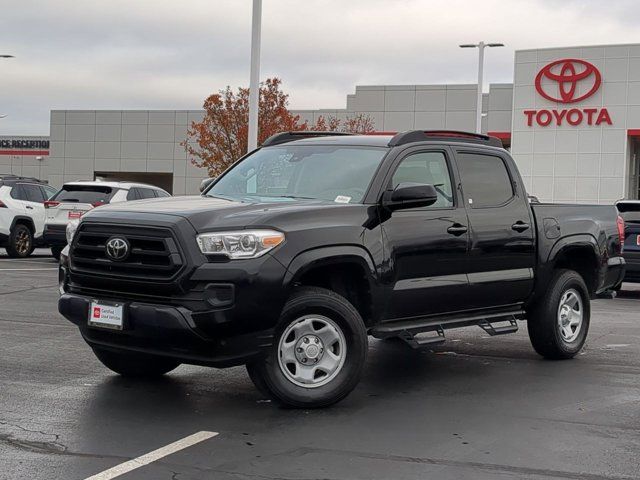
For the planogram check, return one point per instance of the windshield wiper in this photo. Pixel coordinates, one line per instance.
(291, 196)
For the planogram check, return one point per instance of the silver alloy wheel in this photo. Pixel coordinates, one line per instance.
(312, 351)
(570, 314)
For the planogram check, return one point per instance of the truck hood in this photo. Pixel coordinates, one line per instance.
(211, 213)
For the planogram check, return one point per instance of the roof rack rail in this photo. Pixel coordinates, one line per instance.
(412, 136)
(16, 178)
(285, 137)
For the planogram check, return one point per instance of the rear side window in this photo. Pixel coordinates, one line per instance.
(18, 193)
(84, 194)
(33, 193)
(162, 193)
(146, 193)
(485, 180)
(28, 192)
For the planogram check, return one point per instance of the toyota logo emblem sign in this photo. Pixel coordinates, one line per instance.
(566, 76)
(568, 81)
(117, 248)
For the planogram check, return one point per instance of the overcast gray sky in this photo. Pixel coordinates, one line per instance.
(156, 54)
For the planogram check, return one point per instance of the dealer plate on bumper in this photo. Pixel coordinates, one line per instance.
(106, 315)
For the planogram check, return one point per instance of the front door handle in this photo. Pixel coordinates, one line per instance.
(457, 229)
(520, 226)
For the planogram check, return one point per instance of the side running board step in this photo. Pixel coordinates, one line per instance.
(420, 340)
(495, 329)
(422, 332)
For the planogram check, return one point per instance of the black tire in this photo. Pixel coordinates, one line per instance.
(135, 364)
(56, 252)
(268, 375)
(543, 322)
(20, 241)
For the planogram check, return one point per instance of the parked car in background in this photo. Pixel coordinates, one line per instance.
(22, 213)
(300, 250)
(629, 210)
(77, 198)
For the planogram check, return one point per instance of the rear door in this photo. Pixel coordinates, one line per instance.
(502, 243)
(427, 245)
(34, 198)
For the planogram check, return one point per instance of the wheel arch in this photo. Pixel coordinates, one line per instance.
(346, 269)
(579, 253)
(24, 220)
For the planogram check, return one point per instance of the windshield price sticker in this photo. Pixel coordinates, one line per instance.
(342, 199)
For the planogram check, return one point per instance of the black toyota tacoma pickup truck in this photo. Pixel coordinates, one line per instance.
(307, 245)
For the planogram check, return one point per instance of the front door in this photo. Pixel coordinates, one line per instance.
(502, 242)
(427, 246)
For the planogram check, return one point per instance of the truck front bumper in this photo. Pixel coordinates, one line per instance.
(227, 318)
(165, 331)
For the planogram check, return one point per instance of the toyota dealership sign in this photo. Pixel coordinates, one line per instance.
(568, 82)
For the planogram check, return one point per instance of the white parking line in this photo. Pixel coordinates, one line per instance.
(26, 269)
(14, 260)
(147, 458)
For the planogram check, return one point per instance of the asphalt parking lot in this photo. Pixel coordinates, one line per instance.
(473, 408)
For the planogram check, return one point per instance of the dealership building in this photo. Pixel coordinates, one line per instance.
(571, 119)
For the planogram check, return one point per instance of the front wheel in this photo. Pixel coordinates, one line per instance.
(135, 364)
(318, 354)
(559, 323)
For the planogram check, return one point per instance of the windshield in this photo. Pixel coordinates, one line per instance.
(333, 173)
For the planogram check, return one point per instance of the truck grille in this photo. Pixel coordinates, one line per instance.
(153, 253)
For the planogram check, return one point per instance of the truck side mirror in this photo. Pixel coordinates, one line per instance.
(205, 184)
(410, 195)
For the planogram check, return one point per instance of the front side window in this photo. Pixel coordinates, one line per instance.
(429, 168)
(332, 173)
(485, 180)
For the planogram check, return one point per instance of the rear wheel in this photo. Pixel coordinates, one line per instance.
(318, 354)
(20, 241)
(135, 364)
(559, 323)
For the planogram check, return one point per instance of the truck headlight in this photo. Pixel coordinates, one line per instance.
(72, 226)
(240, 244)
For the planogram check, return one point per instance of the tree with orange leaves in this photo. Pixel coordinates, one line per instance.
(221, 137)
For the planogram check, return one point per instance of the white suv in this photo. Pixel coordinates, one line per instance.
(77, 198)
(22, 213)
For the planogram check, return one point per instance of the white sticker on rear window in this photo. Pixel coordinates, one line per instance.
(342, 199)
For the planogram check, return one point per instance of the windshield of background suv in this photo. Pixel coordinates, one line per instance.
(84, 194)
(334, 173)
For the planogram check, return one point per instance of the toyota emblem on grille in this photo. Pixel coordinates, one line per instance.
(117, 248)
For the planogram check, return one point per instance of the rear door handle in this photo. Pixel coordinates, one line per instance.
(29, 207)
(457, 229)
(520, 226)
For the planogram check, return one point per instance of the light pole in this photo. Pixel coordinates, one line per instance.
(254, 80)
(5, 56)
(480, 46)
